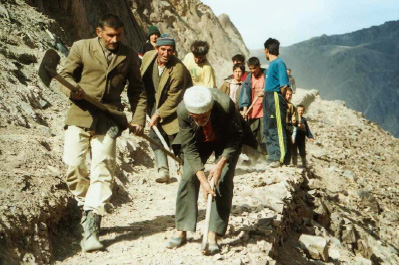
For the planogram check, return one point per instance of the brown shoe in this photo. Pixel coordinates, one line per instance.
(163, 176)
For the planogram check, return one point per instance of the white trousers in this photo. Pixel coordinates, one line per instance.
(92, 191)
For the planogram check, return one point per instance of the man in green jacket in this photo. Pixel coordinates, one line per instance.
(165, 79)
(100, 67)
(208, 122)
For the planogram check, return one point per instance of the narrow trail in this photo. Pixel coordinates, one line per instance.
(137, 231)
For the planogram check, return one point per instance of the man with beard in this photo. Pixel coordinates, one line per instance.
(208, 122)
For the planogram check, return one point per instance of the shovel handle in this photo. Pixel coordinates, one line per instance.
(156, 130)
(167, 152)
(73, 88)
(252, 105)
(158, 133)
(102, 107)
(205, 231)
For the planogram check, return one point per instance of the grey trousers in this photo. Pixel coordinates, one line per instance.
(187, 194)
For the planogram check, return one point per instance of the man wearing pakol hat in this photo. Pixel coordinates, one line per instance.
(152, 35)
(165, 78)
(208, 122)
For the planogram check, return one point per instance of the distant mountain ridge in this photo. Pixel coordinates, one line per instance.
(361, 68)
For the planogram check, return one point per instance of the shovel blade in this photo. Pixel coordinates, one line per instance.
(48, 66)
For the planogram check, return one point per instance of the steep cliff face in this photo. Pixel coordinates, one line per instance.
(78, 19)
(360, 68)
(186, 21)
(190, 20)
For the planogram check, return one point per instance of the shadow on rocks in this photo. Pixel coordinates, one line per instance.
(160, 224)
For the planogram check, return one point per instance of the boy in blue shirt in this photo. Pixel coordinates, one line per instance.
(274, 104)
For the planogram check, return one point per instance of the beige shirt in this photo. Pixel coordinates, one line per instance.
(201, 74)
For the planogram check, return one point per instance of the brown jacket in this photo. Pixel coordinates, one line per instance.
(87, 67)
(226, 89)
(175, 79)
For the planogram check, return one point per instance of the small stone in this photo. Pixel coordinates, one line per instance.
(349, 174)
(218, 257)
(277, 220)
(315, 247)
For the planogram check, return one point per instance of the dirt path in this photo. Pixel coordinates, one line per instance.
(137, 231)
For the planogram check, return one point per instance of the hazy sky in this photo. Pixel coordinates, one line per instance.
(292, 21)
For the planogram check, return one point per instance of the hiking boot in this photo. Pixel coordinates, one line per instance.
(163, 176)
(162, 165)
(274, 164)
(91, 231)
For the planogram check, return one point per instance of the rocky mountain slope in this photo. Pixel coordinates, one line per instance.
(360, 68)
(183, 20)
(190, 20)
(346, 201)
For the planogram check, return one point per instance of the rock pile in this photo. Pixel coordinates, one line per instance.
(355, 169)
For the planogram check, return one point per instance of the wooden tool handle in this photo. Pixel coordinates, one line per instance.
(112, 113)
(252, 105)
(205, 231)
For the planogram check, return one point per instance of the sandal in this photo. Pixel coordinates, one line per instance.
(176, 242)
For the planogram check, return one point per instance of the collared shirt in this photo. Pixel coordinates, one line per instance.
(233, 89)
(109, 56)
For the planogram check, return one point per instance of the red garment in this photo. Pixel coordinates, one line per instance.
(258, 85)
(209, 133)
(244, 76)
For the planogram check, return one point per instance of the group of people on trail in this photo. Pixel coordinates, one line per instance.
(179, 101)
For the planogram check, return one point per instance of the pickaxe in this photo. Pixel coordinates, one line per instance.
(48, 71)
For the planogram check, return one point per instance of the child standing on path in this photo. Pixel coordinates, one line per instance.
(290, 123)
(302, 132)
